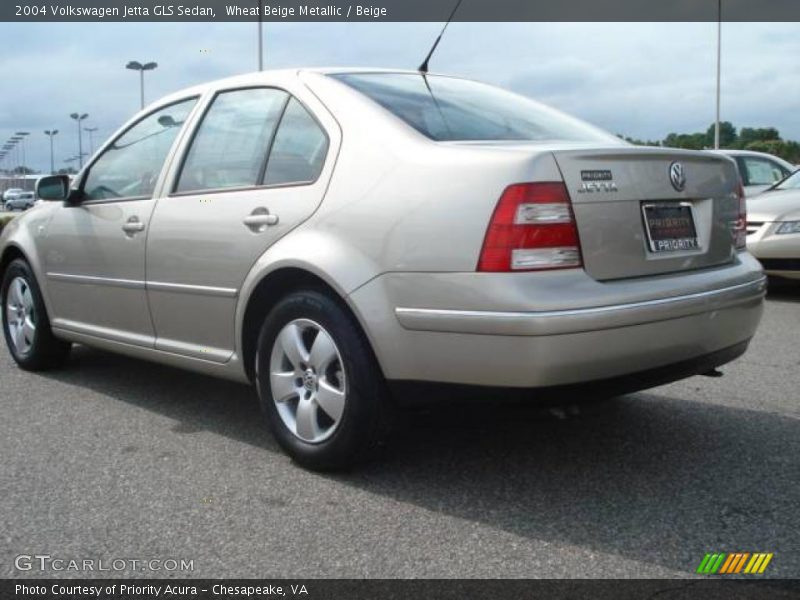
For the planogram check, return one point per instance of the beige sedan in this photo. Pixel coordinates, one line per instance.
(773, 228)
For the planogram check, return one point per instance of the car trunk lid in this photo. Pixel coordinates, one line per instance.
(639, 209)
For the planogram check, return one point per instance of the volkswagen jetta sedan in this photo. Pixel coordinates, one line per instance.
(343, 238)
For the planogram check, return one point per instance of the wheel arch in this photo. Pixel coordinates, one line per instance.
(270, 289)
(10, 253)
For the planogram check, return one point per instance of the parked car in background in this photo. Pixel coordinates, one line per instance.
(462, 238)
(758, 170)
(11, 192)
(20, 201)
(773, 228)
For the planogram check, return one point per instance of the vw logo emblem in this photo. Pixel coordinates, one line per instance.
(309, 380)
(677, 176)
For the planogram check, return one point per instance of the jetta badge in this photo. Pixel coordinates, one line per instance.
(677, 176)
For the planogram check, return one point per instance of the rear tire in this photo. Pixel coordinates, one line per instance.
(26, 326)
(319, 383)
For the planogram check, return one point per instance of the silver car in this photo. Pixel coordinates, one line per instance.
(20, 201)
(348, 239)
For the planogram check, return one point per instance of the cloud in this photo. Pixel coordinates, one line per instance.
(641, 79)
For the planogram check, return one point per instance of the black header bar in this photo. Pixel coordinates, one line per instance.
(598, 11)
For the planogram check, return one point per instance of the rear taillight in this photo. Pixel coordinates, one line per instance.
(532, 228)
(740, 226)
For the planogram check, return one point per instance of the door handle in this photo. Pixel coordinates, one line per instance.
(133, 225)
(260, 219)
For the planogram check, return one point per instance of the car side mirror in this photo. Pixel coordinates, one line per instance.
(54, 188)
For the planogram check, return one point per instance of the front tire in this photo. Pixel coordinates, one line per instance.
(26, 326)
(319, 383)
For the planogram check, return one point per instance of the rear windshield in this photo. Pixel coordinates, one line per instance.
(790, 183)
(450, 109)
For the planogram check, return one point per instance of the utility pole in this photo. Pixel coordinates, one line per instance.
(719, 70)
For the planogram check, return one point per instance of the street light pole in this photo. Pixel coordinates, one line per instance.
(51, 133)
(23, 135)
(719, 70)
(90, 131)
(135, 65)
(78, 118)
(260, 37)
(15, 140)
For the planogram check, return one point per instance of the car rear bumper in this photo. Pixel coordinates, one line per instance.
(557, 322)
(418, 393)
(554, 329)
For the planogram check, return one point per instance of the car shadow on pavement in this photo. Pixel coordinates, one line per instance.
(647, 477)
(786, 290)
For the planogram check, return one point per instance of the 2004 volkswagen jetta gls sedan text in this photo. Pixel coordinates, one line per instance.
(341, 237)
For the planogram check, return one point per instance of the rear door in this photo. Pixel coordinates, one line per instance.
(256, 166)
(645, 212)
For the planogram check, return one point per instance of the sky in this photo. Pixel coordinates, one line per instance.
(643, 80)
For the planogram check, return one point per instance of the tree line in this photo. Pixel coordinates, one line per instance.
(760, 139)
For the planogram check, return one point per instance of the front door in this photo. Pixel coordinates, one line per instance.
(251, 173)
(94, 249)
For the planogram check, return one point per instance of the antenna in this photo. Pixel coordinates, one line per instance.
(423, 68)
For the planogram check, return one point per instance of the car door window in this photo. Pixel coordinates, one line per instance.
(299, 150)
(130, 167)
(231, 143)
(759, 171)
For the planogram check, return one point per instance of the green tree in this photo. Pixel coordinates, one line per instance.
(763, 134)
(727, 134)
(786, 150)
(690, 141)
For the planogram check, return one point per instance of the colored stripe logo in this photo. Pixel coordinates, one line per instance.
(732, 563)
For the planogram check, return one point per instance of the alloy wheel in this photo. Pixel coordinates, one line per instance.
(21, 315)
(307, 380)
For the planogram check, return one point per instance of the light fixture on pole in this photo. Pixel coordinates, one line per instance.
(23, 135)
(135, 65)
(90, 131)
(51, 133)
(78, 118)
(15, 140)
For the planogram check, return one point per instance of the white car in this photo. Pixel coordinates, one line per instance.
(20, 201)
(759, 171)
(773, 228)
(11, 193)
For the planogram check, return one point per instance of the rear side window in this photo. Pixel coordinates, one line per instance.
(451, 109)
(230, 147)
(760, 171)
(298, 152)
(130, 167)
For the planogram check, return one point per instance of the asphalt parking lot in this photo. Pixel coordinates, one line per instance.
(116, 458)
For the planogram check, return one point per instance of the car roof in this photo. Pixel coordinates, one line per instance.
(260, 77)
(734, 152)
